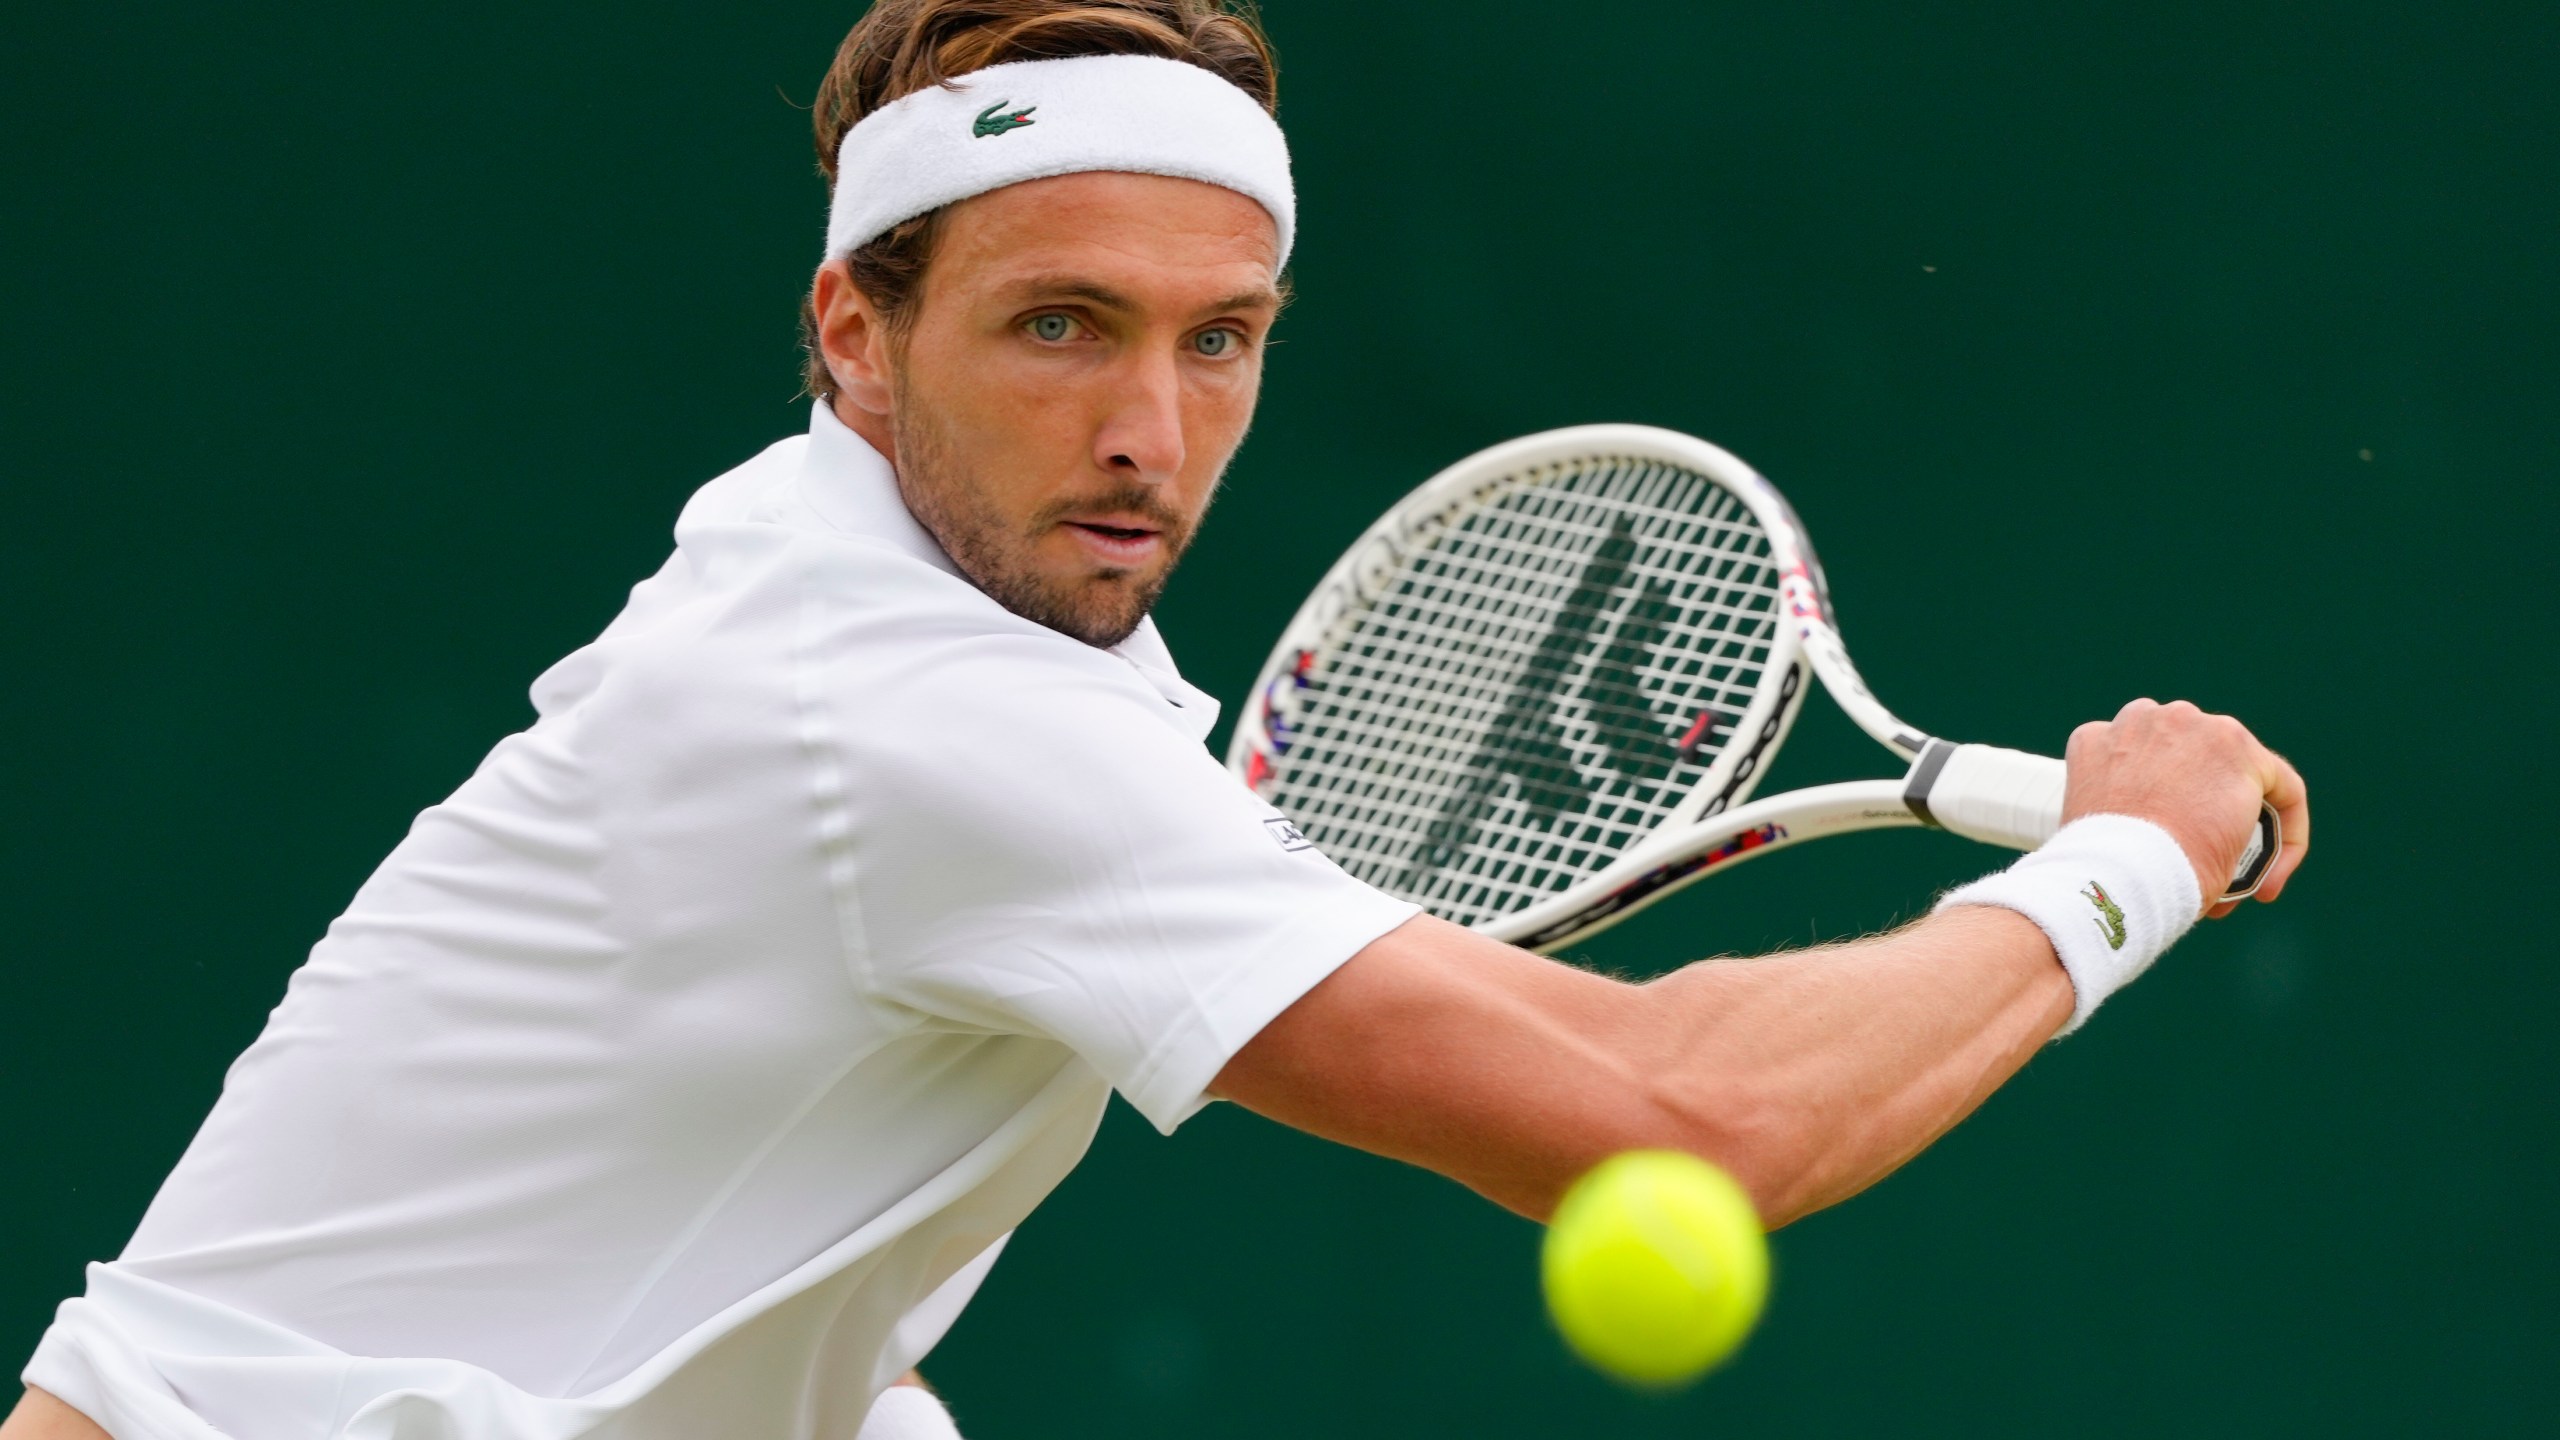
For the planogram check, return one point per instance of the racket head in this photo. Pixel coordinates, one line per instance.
(1547, 652)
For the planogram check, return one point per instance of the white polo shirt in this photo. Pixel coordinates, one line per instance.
(678, 1076)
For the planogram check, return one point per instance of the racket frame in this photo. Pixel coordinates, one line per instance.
(1717, 824)
(1365, 570)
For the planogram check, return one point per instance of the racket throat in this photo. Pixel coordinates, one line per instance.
(1923, 778)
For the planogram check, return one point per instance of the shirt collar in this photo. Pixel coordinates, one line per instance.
(852, 487)
(1146, 653)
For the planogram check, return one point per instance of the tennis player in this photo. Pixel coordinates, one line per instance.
(683, 1073)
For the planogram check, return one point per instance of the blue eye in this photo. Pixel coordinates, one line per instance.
(1215, 343)
(1052, 327)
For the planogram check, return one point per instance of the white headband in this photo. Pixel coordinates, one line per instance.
(1032, 119)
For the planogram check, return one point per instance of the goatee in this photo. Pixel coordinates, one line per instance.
(1100, 608)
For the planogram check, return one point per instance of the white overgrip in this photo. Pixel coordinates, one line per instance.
(2013, 798)
(1986, 793)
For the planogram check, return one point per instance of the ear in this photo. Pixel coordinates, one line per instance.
(855, 342)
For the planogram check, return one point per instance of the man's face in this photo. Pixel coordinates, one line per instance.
(1083, 361)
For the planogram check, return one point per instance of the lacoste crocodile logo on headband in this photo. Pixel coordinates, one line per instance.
(2113, 926)
(991, 123)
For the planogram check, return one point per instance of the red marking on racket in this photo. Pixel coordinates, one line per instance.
(1698, 732)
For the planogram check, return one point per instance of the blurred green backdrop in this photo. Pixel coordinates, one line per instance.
(356, 358)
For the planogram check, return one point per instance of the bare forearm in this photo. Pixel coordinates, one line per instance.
(39, 1416)
(1812, 1075)
(1809, 1075)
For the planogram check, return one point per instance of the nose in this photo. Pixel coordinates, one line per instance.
(1141, 435)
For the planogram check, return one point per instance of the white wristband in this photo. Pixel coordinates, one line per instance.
(2110, 891)
(908, 1412)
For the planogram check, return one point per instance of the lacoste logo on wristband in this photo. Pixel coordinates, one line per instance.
(1286, 832)
(2113, 925)
(991, 123)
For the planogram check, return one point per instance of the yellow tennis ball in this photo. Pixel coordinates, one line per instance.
(1655, 1266)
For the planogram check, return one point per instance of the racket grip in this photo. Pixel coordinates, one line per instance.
(2012, 798)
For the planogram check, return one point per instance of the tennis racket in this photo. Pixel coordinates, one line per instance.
(1537, 694)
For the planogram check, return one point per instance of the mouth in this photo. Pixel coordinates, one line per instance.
(1116, 541)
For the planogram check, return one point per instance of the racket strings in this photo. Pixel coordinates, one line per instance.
(1535, 687)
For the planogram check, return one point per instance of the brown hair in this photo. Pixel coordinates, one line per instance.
(901, 46)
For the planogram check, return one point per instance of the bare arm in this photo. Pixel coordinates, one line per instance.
(39, 1416)
(1809, 1075)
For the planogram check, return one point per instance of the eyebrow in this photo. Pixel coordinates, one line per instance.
(1045, 286)
(1264, 298)
(1052, 286)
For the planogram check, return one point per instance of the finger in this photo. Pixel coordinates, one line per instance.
(2286, 791)
(2136, 707)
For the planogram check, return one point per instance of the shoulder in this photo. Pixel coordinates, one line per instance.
(967, 684)
(961, 720)
(738, 492)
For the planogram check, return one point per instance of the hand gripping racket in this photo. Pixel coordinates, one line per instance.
(1536, 695)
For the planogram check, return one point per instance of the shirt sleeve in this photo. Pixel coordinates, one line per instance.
(1036, 847)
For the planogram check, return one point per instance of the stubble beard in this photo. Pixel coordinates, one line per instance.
(1100, 608)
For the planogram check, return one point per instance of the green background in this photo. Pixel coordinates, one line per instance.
(354, 359)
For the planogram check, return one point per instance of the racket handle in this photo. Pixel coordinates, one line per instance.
(2012, 798)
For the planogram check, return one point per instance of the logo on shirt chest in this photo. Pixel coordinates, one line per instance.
(1285, 831)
